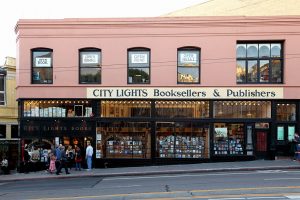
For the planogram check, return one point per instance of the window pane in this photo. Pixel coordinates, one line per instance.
(42, 75)
(252, 50)
(188, 74)
(241, 71)
(138, 75)
(276, 50)
(241, 51)
(264, 50)
(90, 75)
(276, 71)
(264, 71)
(286, 112)
(252, 71)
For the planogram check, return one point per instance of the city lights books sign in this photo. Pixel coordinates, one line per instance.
(184, 93)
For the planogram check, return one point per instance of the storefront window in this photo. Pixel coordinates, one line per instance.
(229, 139)
(125, 108)
(286, 112)
(188, 65)
(182, 140)
(242, 109)
(57, 108)
(139, 66)
(123, 140)
(42, 67)
(90, 66)
(262, 62)
(182, 109)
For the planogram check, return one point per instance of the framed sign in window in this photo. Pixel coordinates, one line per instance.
(280, 133)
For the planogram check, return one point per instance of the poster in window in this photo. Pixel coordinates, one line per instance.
(139, 58)
(221, 132)
(42, 62)
(188, 58)
(90, 58)
(291, 133)
(280, 133)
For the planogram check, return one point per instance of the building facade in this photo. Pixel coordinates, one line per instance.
(9, 139)
(160, 90)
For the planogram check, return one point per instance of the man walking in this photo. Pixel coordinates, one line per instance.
(89, 155)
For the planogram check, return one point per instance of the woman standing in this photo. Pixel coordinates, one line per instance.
(78, 158)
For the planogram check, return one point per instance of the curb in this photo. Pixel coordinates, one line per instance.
(147, 173)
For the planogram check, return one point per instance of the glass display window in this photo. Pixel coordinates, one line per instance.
(286, 112)
(123, 140)
(182, 140)
(229, 139)
(57, 108)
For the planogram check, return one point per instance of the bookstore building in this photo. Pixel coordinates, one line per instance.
(161, 99)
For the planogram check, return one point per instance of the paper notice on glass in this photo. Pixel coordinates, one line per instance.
(280, 133)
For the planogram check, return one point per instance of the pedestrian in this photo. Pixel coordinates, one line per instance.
(27, 159)
(70, 154)
(78, 158)
(298, 152)
(4, 165)
(63, 161)
(89, 155)
(58, 156)
(52, 167)
(294, 145)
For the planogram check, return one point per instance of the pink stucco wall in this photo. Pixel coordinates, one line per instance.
(216, 36)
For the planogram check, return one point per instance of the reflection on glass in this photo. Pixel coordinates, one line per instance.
(252, 50)
(276, 71)
(242, 109)
(138, 75)
(264, 71)
(264, 50)
(286, 112)
(276, 50)
(241, 51)
(241, 71)
(188, 74)
(252, 71)
(90, 75)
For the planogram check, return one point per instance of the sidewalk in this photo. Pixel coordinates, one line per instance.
(162, 169)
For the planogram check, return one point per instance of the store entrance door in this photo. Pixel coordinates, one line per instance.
(261, 143)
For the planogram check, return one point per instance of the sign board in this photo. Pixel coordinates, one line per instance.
(184, 93)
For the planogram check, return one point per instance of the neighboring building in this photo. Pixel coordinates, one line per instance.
(160, 90)
(241, 8)
(9, 142)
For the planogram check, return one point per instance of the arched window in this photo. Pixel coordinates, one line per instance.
(90, 66)
(138, 66)
(42, 66)
(188, 65)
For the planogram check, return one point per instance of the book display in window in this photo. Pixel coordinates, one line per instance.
(229, 140)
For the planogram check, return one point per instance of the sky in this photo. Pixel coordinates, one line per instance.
(13, 10)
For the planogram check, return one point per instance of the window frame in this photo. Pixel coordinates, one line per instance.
(260, 59)
(33, 64)
(80, 65)
(189, 48)
(3, 74)
(139, 49)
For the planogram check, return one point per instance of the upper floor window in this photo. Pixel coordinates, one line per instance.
(259, 62)
(42, 67)
(188, 65)
(138, 66)
(90, 66)
(2, 88)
